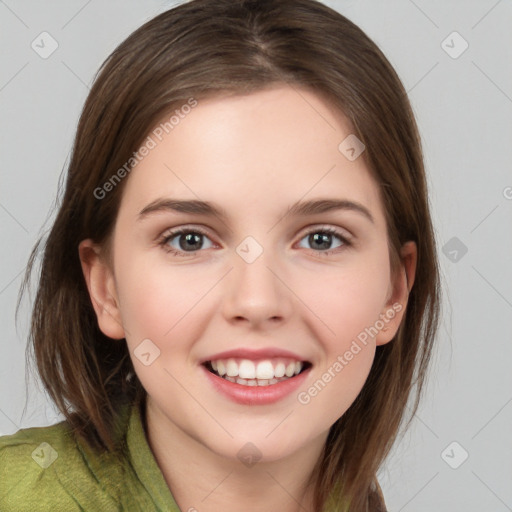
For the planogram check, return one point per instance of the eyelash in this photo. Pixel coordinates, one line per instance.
(166, 237)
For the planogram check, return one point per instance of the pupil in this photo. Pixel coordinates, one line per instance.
(323, 239)
(190, 239)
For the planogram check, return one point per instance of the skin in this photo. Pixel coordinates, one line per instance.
(254, 156)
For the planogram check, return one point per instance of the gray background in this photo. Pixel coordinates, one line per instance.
(464, 109)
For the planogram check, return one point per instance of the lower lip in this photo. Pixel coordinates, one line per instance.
(256, 395)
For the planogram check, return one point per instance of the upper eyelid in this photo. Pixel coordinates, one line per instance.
(335, 229)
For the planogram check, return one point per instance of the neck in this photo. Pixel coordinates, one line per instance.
(201, 480)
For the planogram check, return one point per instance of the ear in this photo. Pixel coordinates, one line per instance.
(393, 312)
(102, 290)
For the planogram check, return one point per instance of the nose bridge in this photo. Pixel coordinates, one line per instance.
(256, 293)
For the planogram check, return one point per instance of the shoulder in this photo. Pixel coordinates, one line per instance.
(43, 468)
(27, 467)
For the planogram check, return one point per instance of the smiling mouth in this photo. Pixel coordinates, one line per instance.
(251, 373)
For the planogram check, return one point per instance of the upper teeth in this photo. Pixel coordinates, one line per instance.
(265, 369)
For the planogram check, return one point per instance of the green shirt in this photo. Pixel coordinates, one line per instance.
(50, 469)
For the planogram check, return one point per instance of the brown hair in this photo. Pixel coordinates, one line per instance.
(203, 48)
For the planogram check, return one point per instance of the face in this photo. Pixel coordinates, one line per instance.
(252, 285)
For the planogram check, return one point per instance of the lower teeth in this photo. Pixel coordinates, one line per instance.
(254, 382)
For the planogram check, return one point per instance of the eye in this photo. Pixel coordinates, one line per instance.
(188, 241)
(184, 240)
(321, 240)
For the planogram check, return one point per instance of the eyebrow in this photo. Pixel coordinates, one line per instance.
(300, 208)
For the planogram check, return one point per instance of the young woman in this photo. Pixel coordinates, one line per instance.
(240, 288)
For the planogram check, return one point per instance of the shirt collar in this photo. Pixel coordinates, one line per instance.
(144, 463)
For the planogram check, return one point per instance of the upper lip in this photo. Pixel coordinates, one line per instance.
(254, 354)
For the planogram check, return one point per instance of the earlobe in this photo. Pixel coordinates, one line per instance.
(394, 310)
(102, 291)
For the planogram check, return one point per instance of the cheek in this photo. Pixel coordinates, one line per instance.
(350, 306)
(335, 388)
(162, 305)
(348, 300)
(156, 299)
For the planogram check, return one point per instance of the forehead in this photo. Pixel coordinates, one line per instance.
(251, 153)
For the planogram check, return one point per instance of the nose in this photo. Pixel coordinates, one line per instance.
(257, 293)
